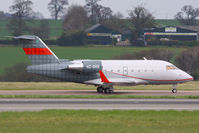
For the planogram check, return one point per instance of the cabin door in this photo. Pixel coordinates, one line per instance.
(125, 70)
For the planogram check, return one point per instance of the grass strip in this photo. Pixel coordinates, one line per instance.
(98, 97)
(93, 121)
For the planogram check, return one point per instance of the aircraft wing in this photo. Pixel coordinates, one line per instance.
(117, 81)
(120, 80)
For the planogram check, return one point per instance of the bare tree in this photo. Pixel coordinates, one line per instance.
(116, 22)
(43, 30)
(187, 15)
(92, 7)
(105, 13)
(97, 13)
(141, 18)
(57, 7)
(76, 19)
(22, 11)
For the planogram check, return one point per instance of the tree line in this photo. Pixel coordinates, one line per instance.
(77, 18)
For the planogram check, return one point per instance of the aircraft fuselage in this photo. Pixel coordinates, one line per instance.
(101, 73)
(118, 72)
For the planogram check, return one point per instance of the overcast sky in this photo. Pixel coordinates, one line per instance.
(160, 8)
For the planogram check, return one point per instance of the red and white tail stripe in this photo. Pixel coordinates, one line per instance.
(37, 51)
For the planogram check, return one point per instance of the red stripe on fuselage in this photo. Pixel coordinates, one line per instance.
(178, 80)
(37, 51)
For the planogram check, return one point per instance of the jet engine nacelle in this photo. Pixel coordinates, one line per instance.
(86, 67)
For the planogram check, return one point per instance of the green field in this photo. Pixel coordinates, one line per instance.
(91, 121)
(11, 55)
(169, 22)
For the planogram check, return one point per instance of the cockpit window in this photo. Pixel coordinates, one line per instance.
(171, 67)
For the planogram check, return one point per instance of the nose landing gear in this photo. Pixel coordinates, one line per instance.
(174, 90)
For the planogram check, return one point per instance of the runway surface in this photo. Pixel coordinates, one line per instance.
(93, 92)
(98, 104)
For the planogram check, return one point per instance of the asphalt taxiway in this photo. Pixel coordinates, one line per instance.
(98, 104)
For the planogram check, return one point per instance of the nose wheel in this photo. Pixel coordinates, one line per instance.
(174, 90)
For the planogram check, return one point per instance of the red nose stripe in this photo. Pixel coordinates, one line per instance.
(37, 51)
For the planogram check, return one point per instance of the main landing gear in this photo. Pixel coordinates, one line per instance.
(106, 90)
(174, 90)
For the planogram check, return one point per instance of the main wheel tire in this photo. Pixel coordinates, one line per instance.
(107, 90)
(111, 91)
(174, 90)
(100, 90)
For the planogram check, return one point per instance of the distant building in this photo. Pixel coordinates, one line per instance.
(4, 15)
(169, 33)
(100, 34)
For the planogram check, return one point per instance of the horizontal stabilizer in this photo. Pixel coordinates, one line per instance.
(25, 37)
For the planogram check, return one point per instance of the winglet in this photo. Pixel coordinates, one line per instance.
(103, 77)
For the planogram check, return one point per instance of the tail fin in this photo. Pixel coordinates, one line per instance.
(36, 50)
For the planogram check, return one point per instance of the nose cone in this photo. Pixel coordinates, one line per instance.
(187, 77)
